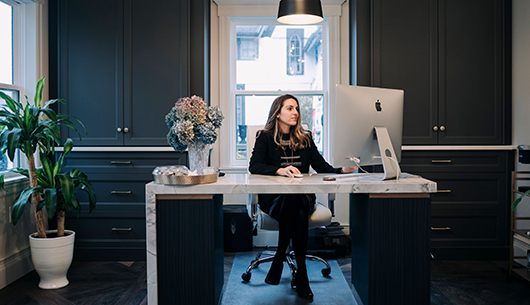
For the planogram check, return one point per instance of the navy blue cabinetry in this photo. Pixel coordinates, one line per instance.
(452, 59)
(121, 65)
(469, 213)
(116, 230)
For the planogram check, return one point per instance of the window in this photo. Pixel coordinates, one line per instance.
(6, 37)
(260, 59)
(259, 82)
(7, 66)
(22, 55)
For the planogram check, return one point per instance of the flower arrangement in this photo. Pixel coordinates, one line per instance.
(191, 122)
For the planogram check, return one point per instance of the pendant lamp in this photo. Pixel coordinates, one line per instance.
(300, 11)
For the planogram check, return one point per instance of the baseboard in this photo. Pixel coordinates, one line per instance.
(15, 267)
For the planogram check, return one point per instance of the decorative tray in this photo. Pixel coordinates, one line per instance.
(185, 180)
(181, 175)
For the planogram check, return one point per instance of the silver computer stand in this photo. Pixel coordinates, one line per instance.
(388, 156)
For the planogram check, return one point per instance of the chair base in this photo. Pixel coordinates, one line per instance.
(290, 259)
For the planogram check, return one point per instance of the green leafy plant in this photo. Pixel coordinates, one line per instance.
(518, 200)
(33, 128)
(56, 189)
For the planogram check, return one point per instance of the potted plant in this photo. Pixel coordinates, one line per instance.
(35, 128)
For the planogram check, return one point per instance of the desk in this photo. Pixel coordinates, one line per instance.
(389, 227)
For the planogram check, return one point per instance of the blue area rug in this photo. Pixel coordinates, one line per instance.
(327, 290)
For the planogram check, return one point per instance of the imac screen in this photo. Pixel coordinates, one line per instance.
(359, 110)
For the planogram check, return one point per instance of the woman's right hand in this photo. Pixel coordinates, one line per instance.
(288, 171)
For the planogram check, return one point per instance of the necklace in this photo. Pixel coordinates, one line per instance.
(286, 160)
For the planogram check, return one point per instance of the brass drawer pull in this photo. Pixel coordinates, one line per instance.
(441, 161)
(120, 192)
(440, 229)
(120, 162)
(121, 229)
(443, 191)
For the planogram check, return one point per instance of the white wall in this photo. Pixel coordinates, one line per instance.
(15, 259)
(521, 84)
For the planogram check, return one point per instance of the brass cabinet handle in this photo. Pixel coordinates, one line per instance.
(440, 161)
(443, 191)
(435, 128)
(120, 162)
(126, 129)
(442, 128)
(440, 229)
(121, 192)
(118, 129)
(121, 229)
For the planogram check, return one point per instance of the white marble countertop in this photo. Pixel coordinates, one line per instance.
(253, 184)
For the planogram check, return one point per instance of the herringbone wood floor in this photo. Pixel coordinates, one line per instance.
(462, 282)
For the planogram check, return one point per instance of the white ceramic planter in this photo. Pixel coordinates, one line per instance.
(52, 257)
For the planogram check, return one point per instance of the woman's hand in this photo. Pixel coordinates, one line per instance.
(288, 171)
(350, 169)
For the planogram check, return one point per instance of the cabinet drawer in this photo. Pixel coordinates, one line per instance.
(454, 161)
(117, 191)
(122, 162)
(468, 228)
(468, 190)
(107, 228)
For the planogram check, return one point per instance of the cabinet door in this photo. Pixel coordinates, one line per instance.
(157, 66)
(91, 68)
(471, 71)
(405, 53)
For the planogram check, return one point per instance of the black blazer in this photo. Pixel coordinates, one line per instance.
(266, 160)
(266, 157)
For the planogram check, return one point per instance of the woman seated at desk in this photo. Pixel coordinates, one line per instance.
(283, 148)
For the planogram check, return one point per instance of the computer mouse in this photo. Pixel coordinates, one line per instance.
(298, 175)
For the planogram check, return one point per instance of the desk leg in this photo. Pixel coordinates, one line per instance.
(189, 250)
(390, 240)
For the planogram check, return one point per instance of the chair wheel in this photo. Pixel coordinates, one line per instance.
(293, 284)
(246, 276)
(326, 272)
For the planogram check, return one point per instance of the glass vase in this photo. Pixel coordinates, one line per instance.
(198, 154)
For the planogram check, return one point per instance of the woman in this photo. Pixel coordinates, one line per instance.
(284, 149)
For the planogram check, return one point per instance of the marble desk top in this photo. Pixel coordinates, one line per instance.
(253, 184)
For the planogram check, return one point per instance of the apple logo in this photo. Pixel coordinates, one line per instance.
(378, 106)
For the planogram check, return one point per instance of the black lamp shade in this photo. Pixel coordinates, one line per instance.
(300, 11)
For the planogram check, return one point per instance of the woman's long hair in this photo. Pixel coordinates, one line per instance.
(299, 139)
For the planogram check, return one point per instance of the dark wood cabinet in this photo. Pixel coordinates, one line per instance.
(469, 213)
(121, 65)
(452, 58)
(116, 230)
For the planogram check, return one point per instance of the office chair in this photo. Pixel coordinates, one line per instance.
(321, 216)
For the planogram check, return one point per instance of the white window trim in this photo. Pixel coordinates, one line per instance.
(222, 71)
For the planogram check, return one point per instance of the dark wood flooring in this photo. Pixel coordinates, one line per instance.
(452, 282)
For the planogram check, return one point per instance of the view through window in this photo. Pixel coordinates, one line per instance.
(6, 65)
(272, 60)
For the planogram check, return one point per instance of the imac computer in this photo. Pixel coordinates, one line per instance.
(368, 128)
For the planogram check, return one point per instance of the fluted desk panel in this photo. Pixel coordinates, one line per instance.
(389, 227)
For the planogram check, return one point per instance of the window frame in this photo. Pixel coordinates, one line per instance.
(30, 57)
(223, 71)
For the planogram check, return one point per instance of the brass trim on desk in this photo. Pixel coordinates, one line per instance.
(183, 196)
(399, 195)
(441, 229)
